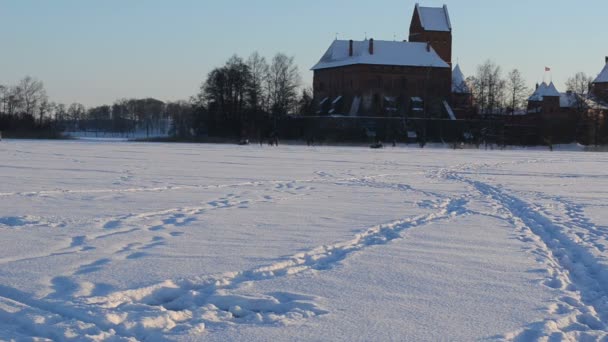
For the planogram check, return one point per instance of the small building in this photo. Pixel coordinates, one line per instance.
(556, 113)
(381, 77)
(568, 116)
(545, 99)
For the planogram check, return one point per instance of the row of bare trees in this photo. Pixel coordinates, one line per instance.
(252, 84)
(247, 95)
(25, 107)
(244, 97)
(234, 98)
(28, 97)
(496, 94)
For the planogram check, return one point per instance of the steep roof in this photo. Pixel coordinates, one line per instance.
(603, 76)
(536, 96)
(552, 91)
(385, 53)
(459, 84)
(544, 90)
(434, 18)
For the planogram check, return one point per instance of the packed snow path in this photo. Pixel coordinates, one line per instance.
(124, 241)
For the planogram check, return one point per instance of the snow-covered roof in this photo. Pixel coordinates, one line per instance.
(449, 110)
(544, 90)
(603, 76)
(595, 103)
(384, 53)
(536, 96)
(551, 91)
(459, 84)
(434, 18)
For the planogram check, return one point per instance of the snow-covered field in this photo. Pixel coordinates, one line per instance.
(125, 241)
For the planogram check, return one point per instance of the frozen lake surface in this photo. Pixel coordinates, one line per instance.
(117, 241)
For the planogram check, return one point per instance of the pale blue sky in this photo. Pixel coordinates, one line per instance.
(95, 51)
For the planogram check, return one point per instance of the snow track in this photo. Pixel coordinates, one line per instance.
(571, 268)
(163, 242)
(281, 184)
(188, 306)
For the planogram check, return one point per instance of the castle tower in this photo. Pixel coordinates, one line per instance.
(432, 25)
(600, 84)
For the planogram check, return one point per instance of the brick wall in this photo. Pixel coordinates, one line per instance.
(375, 82)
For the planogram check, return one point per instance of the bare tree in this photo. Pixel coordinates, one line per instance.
(238, 75)
(258, 68)
(305, 102)
(489, 87)
(31, 93)
(13, 100)
(181, 113)
(283, 82)
(76, 111)
(225, 88)
(60, 112)
(517, 90)
(3, 98)
(44, 108)
(579, 83)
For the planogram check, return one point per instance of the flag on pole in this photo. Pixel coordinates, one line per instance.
(547, 69)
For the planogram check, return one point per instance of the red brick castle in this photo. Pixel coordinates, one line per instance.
(390, 78)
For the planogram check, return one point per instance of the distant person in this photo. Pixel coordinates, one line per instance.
(274, 139)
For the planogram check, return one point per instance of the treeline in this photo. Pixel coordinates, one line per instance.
(25, 110)
(250, 98)
(25, 107)
(124, 116)
(497, 93)
(499, 96)
(245, 98)
(241, 99)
